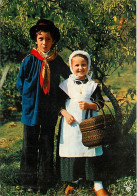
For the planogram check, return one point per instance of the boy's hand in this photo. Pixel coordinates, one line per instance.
(68, 117)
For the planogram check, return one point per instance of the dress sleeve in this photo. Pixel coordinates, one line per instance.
(97, 98)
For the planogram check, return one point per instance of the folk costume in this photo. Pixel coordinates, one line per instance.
(38, 82)
(76, 160)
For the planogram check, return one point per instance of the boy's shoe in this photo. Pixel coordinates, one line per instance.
(100, 192)
(69, 190)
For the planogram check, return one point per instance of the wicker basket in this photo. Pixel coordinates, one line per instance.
(98, 130)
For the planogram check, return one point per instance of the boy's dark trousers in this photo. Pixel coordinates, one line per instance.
(36, 169)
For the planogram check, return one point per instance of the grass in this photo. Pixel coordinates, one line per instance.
(11, 144)
(120, 165)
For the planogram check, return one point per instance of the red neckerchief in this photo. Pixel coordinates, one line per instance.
(45, 69)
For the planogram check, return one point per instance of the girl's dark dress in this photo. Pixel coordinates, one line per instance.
(88, 168)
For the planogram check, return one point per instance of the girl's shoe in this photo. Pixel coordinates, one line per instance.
(69, 190)
(100, 192)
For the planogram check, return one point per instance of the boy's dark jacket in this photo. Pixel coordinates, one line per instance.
(34, 102)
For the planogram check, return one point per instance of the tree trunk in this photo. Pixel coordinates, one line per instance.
(118, 114)
(4, 76)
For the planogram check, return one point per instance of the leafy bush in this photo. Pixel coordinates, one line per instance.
(10, 97)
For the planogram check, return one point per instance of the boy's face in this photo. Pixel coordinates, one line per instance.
(44, 41)
(79, 66)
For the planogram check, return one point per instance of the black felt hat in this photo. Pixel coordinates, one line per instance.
(47, 26)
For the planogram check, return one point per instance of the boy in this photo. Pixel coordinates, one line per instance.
(38, 82)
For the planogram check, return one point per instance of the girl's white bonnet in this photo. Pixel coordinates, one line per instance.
(79, 52)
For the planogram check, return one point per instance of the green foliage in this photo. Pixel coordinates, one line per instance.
(10, 97)
(131, 92)
(105, 29)
(127, 106)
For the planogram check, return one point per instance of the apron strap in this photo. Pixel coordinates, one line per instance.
(87, 112)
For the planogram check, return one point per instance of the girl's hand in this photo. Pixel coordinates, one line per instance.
(83, 105)
(68, 117)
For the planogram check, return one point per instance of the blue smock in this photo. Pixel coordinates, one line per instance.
(34, 102)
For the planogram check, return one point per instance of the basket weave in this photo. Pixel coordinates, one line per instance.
(98, 130)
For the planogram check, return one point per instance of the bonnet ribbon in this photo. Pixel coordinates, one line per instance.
(45, 69)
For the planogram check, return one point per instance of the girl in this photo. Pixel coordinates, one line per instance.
(38, 82)
(76, 160)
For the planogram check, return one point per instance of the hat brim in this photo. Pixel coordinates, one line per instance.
(54, 31)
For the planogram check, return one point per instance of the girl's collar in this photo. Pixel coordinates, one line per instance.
(81, 81)
(74, 77)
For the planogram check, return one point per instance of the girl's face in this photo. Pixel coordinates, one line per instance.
(79, 66)
(44, 41)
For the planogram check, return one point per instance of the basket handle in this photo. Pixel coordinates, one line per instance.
(106, 106)
(102, 111)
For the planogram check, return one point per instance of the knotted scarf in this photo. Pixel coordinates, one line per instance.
(45, 69)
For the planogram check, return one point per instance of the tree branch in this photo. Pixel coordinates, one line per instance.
(4, 76)
(71, 49)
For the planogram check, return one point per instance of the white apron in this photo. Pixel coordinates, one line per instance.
(71, 137)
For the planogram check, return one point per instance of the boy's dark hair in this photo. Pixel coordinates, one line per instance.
(46, 26)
